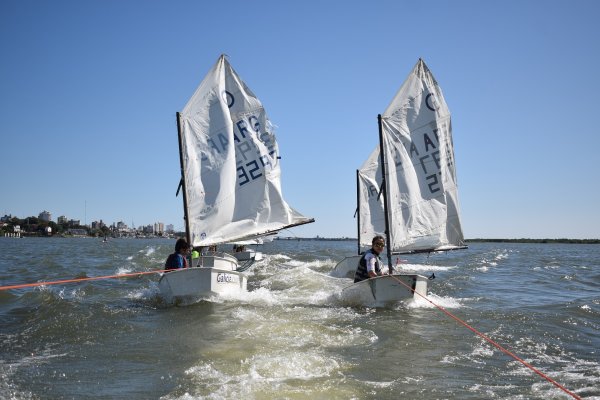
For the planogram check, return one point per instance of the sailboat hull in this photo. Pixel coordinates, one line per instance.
(247, 255)
(346, 268)
(215, 276)
(385, 289)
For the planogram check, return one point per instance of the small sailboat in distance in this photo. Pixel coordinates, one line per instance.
(407, 189)
(230, 178)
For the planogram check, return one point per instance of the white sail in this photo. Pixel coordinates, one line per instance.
(230, 161)
(371, 217)
(421, 177)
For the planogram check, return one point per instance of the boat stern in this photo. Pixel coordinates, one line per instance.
(190, 284)
(386, 289)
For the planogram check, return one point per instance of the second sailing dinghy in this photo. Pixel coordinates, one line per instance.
(407, 189)
(230, 176)
(247, 255)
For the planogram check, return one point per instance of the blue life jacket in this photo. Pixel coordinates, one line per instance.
(175, 261)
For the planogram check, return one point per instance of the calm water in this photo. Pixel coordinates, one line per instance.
(291, 336)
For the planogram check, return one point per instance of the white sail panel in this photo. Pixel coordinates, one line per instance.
(231, 163)
(421, 176)
(370, 202)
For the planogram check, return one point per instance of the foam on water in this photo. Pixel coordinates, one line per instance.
(284, 365)
(295, 283)
(71, 293)
(123, 270)
(261, 296)
(301, 326)
(422, 267)
(290, 335)
(290, 352)
(259, 376)
(148, 251)
(275, 258)
(445, 302)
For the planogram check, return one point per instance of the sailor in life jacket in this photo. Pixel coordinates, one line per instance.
(179, 258)
(369, 265)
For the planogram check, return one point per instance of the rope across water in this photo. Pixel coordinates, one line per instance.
(489, 340)
(95, 278)
(442, 309)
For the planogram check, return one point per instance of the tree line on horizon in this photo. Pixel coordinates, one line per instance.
(478, 240)
(524, 240)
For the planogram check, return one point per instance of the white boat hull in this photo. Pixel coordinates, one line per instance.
(247, 255)
(214, 276)
(386, 289)
(346, 268)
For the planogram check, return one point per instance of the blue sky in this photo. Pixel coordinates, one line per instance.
(89, 92)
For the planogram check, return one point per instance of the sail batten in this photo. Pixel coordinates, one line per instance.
(231, 163)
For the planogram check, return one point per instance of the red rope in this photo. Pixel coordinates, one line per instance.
(495, 344)
(26, 285)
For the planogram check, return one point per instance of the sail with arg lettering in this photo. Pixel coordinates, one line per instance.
(421, 189)
(422, 192)
(230, 175)
(407, 190)
(230, 163)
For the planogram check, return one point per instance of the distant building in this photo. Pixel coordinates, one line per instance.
(45, 216)
(62, 220)
(98, 224)
(159, 227)
(170, 228)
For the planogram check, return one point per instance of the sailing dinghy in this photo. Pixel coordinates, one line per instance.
(248, 255)
(230, 179)
(407, 190)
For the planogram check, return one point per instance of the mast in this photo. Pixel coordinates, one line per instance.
(385, 195)
(182, 182)
(358, 210)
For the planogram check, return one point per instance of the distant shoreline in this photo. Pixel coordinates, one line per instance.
(478, 240)
(567, 241)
